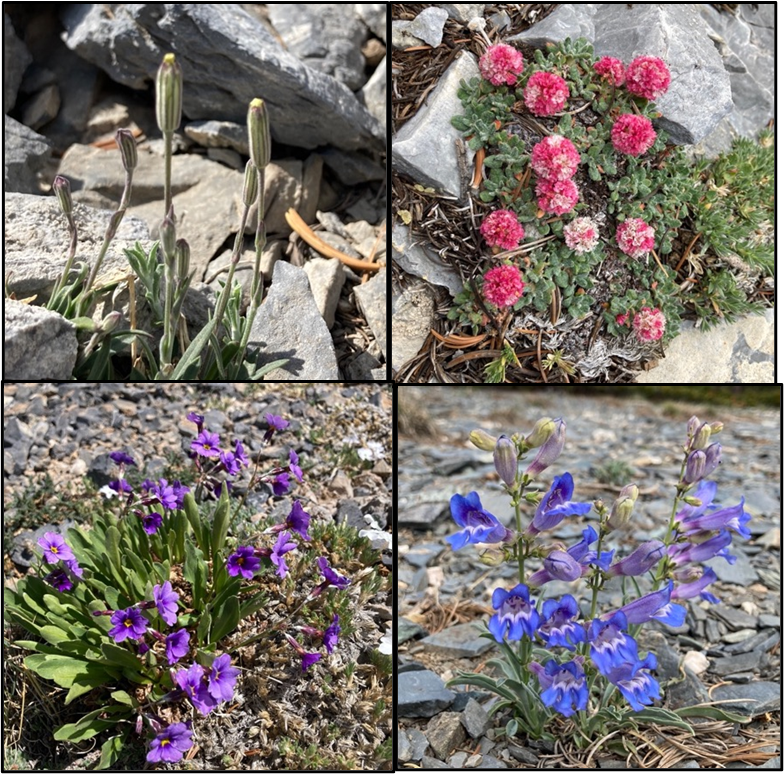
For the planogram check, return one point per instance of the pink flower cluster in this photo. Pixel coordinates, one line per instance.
(545, 93)
(647, 76)
(582, 235)
(632, 134)
(635, 237)
(503, 286)
(611, 69)
(555, 158)
(649, 324)
(501, 64)
(502, 229)
(556, 196)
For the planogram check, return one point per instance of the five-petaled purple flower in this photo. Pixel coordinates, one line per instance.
(121, 458)
(516, 612)
(193, 683)
(283, 545)
(166, 602)
(151, 522)
(479, 525)
(170, 744)
(59, 579)
(170, 496)
(128, 623)
(331, 634)
(222, 678)
(308, 659)
(55, 548)
(230, 463)
(206, 444)
(556, 505)
(331, 578)
(281, 484)
(294, 467)
(559, 626)
(243, 562)
(275, 422)
(563, 686)
(298, 520)
(177, 645)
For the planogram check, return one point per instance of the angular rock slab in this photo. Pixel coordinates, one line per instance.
(425, 147)
(39, 345)
(16, 57)
(421, 262)
(26, 153)
(372, 301)
(289, 325)
(412, 318)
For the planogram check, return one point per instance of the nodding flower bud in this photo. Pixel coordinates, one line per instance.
(127, 145)
(110, 322)
(482, 440)
(183, 252)
(692, 426)
(550, 450)
(542, 431)
(695, 467)
(505, 459)
(258, 133)
(623, 506)
(701, 437)
(712, 458)
(168, 234)
(250, 185)
(716, 427)
(62, 188)
(168, 95)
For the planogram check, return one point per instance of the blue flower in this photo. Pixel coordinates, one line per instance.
(560, 566)
(610, 645)
(640, 560)
(563, 685)
(556, 505)
(516, 612)
(480, 526)
(695, 587)
(639, 687)
(558, 627)
(655, 605)
(734, 518)
(683, 553)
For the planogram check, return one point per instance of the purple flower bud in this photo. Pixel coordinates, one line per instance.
(541, 433)
(561, 566)
(712, 458)
(695, 467)
(549, 451)
(505, 459)
(692, 426)
(640, 560)
(701, 437)
(482, 440)
(127, 145)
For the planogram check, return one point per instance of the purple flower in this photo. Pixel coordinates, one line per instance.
(331, 578)
(177, 645)
(695, 587)
(222, 678)
(127, 623)
(120, 486)
(580, 553)
(558, 626)
(479, 525)
(151, 522)
(640, 560)
(166, 602)
(294, 467)
(193, 683)
(655, 605)
(563, 685)
(734, 518)
(561, 566)
(549, 451)
(556, 505)
(308, 659)
(121, 458)
(331, 634)
(299, 520)
(230, 463)
(170, 744)
(206, 444)
(72, 566)
(283, 545)
(281, 484)
(516, 612)
(170, 496)
(239, 454)
(505, 460)
(59, 579)
(637, 686)
(243, 562)
(683, 553)
(704, 492)
(197, 419)
(610, 645)
(275, 422)
(55, 548)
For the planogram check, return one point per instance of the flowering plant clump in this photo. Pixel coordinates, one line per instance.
(563, 656)
(557, 196)
(503, 286)
(581, 234)
(647, 77)
(555, 158)
(501, 64)
(545, 93)
(155, 600)
(502, 229)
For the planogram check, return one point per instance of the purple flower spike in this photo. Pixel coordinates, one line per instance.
(559, 626)
(55, 548)
(516, 612)
(193, 684)
(610, 645)
(243, 562)
(177, 645)
(299, 520)
(170, 744)
(695, 587)
(294, 467)
(206, 444)
(640, 560)
(549, 451)
(152, 522)
(121, 458)
(638, 687)
(283, 545)
(563, 685)
(129, 623)
(59, 579)
(222, 678)
(556, 505)
(655, 605)
(281, 484)
(166, 602)
(561, 566)
(331, 578)
(331, 634)
(479, 525)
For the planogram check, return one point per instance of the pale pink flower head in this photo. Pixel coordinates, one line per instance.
(555, 158)
(556, 197)
(581, 235)
(611, 69)
(647, 76)
(545, 93)
(635, 237)
(502, 229)
(503, 286)
(649, 324)
(501, 64)
(632, 134)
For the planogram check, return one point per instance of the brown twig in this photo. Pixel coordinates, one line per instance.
(687, 251)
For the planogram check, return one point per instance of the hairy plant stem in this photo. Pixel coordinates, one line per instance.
(71, 253)
(167, 157)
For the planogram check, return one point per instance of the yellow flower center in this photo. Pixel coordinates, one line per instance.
(128, 623)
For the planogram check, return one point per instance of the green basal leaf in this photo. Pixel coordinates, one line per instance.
(120, 656)
(203, 629)
(711, 711)
(110, 752)
(54, 635)
(658, 715)
(226, 619)
(195, 572)
(121, 697)
(220, 524)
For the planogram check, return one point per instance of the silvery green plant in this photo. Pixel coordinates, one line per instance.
(563, 657)
(162, 275)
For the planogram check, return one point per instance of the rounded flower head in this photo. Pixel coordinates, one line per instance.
(611, 69)
(649, 324)
(503, 286)
(545, 93)
(170, 744)
(502, 229)
(127, 623)
(557, 196)
(647, 76)
(555, 158)
(632, 134)
(55, 548)
(501, 64)
(582, 235)
(635, 237)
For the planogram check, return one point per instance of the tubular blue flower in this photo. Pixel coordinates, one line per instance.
(683, 553)
(206, 444)
(177, 645)
(734, 518)
(640, 560)
(564, 687)
(170, 744)
(239, 454)
(197, 419)
(243, 562)
(713, 458)
(281, 484)
(222, 678)
(331, 634)
(59, 580)
(193, 683)
(298, 520)
(121, 458)
(558, 626)
(230, 463)
(127, 623)
(516, 612)
(331, 578)
(561, 566)
(638, 687)
(166, 602)
(581, 554)
(549, 451)
(610, 645)
(479, 525)
(655, 605)
(695, 587)
(294, 467)
(151, 522)
(55, 548)
(283, 545)
(556, 505)
(704, 492)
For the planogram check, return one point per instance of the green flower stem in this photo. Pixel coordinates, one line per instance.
(167, 157)
(680, 490)
(67, 270)
(167, 342)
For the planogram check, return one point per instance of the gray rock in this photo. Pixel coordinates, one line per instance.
(16, 58)
(421, 694)
(400, 35)
(457, 761)
(667, 657)
(752, 699)
(734, 618)
(475, 719)
(283, 189)
(445, 732)
(773, 621)
(361, 368)
(686, 692)
(773, 763)
(419, 744)
(226, 156)
(427, 761)
(461, 641)
(568, 20)
(38, 345)
(219, 134)
(374, 93)
(490, 762)
(408, 630)
(463, 12)
(374, 16)
(412, 317)
(740, 663)
(741, 573)
(428, 26)
(416, 259)
(524, 755)
(352, 168)
(421, 554)
(381, 375)
(403, 746)
(26, 154)
(41, 108)
(326, 277)
(371, 299)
